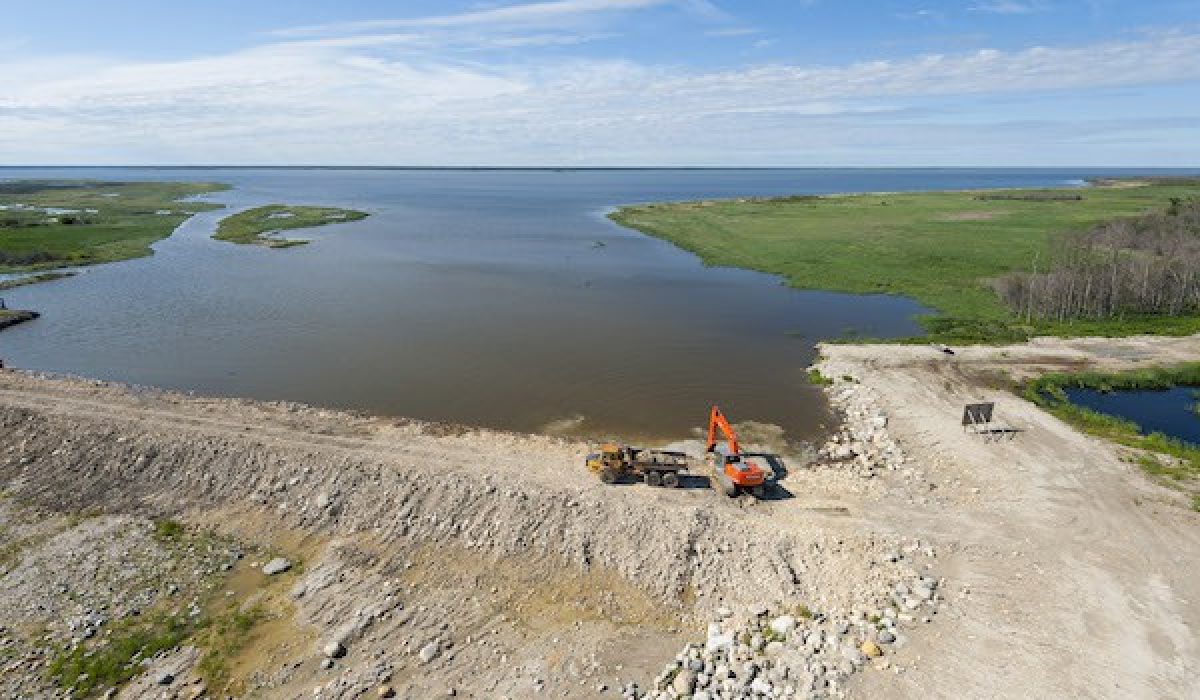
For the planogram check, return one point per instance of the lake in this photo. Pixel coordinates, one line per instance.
(1171, 412)
(493, 297)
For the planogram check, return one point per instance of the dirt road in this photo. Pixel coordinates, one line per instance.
(1081, 574)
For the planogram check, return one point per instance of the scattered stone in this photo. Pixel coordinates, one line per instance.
(684, 683)
(277, 565)
(428, 652)
(783, 625)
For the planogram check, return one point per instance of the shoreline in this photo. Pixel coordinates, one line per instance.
(923, 548)
(76, 223)
(943, 249)
(264, 225)
(10, 317)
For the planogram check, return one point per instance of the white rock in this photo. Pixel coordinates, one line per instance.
(718, 641)
(428, 652)
(761, 686)
(278, 565)
(783, 625)
(684, 683)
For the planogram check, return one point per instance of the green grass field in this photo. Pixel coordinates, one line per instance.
(89, 222)
(939, 248)
(33, 279)
(254, 225)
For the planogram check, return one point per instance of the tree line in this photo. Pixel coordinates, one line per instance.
(1148, 264)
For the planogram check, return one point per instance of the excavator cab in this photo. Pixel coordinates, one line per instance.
(734, 474)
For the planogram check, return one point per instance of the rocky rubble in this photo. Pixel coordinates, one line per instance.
(374, 626)
(792, 652)
(101, 463)
(71, 579)
(788, 652)
(862, 444)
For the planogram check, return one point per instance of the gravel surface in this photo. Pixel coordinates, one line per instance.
(416, 537)
(1069, 572)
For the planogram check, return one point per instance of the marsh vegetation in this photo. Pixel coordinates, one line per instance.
(261, 225)
(61, 223)
(944, 249)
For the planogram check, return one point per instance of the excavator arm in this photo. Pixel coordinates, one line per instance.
(717, 421)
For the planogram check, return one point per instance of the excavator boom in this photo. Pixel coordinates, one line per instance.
(733, 474)
(717, 421)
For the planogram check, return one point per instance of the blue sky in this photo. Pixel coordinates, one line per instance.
(601, 82)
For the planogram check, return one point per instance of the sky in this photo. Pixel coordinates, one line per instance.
(601, 82)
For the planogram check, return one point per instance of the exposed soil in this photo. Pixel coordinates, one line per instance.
(501, 549)
(1077, 572)
(426, 559)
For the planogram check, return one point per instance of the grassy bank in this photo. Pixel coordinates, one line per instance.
(48, 224)
(1176, 461)
(258, 225)
(10, 317)
(940, 248)
(34, 279)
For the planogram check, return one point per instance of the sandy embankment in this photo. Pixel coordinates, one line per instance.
(525, 571)
(1061, 570)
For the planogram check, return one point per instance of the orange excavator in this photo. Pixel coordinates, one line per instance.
(733, 474)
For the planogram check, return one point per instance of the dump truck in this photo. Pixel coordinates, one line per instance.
(656, 467)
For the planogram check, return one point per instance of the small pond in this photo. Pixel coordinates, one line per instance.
(1168, 411)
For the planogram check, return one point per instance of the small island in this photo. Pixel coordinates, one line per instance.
(9, 317)
(262, 225)
(33, 279)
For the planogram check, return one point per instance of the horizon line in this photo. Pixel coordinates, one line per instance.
(211, 166)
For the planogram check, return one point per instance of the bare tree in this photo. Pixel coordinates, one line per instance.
(1148, 264)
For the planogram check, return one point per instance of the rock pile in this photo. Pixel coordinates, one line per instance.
(794, 652)
(863, 444)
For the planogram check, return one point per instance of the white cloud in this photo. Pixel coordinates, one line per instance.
(541, 14)
(372, 100)
(922, 13)
(1009, 7)
(732, 31)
